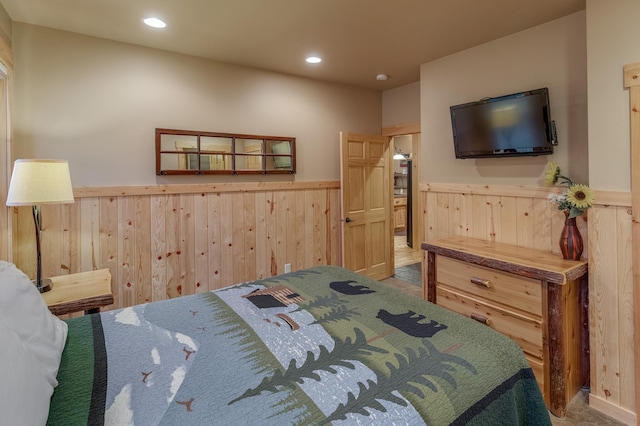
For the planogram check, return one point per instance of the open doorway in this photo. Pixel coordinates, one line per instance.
(407, 254)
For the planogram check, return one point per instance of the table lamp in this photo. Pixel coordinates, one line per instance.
(36, 182)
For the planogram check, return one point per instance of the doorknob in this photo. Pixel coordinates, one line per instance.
(348, 220)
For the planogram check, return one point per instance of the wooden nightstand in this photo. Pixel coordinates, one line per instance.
(84, 291)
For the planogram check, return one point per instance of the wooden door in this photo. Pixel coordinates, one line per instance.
(365, 178)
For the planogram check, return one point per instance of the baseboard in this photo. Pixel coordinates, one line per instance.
(621, 414)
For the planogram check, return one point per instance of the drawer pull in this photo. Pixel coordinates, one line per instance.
(481, 281)
(481, 318)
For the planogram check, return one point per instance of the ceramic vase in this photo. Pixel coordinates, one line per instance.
(570, 239)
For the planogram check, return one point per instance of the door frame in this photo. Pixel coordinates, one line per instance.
(415, 131)
(7, 216)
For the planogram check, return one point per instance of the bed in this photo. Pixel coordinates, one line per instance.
(318, 346)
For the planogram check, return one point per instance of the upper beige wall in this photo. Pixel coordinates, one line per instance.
(551, 55)
(5, 26)
(401, 105)
(97, 103)
(612, 42)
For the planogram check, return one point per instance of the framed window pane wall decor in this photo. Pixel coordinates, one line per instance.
(187, 152)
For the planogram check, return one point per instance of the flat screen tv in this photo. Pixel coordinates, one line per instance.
(507, 126)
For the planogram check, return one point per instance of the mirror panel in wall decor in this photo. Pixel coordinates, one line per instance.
(187, 152)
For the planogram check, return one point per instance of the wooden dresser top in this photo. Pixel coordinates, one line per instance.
(533, 263)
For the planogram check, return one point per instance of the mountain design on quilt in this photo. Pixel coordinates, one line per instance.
(348, 353)
(141, 388)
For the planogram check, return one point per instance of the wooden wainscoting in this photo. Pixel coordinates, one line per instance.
(165, 241)
(523, 216)
(611, 311)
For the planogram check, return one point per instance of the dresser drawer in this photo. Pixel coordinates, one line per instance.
(400, 201)
(525, 331)
(495, 286)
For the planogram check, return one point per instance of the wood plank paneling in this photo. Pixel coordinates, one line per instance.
(201, 243)
(52, 217)
(308, 225)
(187, 253)
(508, 228)
(494, 215)
(541, 224)
(108, 229)
(299, 225)
(514, 215)
(610, 310)
(272, 233)
(161, 243)
(236, 256)
(281, 230)
(603, 328)
(524, 222)
(625, 303)
(126, 249)
(172, 246)
(334, 227)
(158, 250)
(214, 242)
(479, 214)
(89, 222)
(319, 226)
(262, 258)
(225, 263)
(249, 235)
(143, 258)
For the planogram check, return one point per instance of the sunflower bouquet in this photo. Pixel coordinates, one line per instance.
(575, 199)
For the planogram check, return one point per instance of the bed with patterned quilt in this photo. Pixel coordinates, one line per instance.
(317, 346)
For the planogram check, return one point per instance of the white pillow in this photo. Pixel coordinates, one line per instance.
(23, 311)
(25, 392)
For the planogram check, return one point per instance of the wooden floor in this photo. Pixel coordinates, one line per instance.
(405, 255)
(403, 286)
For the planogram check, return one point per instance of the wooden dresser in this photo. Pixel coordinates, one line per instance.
(535, 297)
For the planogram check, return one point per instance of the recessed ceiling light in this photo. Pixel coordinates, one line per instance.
(314, 60)
(381, 77)
(155, 22)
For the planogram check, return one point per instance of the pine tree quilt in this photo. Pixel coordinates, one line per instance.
(318, 346)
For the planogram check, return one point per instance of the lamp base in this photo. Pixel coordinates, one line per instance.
(45, 285)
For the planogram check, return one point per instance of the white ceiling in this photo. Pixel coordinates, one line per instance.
(357, 39)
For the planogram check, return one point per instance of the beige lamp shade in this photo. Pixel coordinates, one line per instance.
(40, 182)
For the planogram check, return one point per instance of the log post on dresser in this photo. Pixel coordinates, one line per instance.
(431, 277)
(585, 348)
(556, 350)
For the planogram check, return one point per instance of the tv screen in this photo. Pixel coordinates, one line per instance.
(506, 126)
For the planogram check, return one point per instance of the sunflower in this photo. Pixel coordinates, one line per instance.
(552, 174)
(581, 196)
